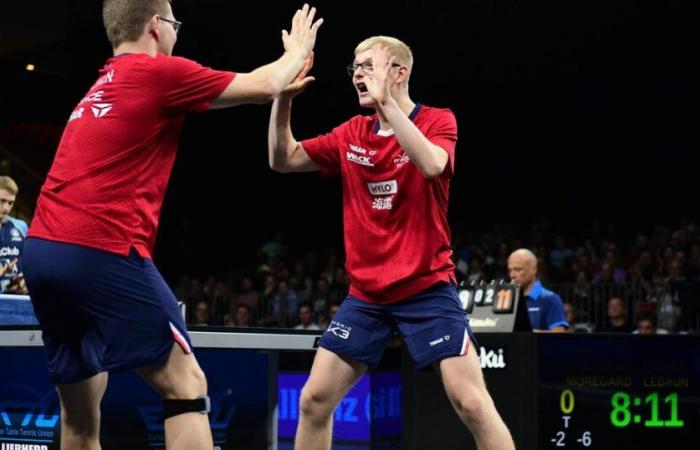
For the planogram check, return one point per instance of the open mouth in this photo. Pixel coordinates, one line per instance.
(361, 87)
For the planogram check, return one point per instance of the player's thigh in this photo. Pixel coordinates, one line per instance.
(331, 377)
(465, 387)
(81, 401)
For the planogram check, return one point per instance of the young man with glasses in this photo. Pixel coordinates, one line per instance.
(395, 167)
(101, 302)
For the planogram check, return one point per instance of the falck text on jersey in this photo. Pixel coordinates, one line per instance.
(360, 158)
(492, 359)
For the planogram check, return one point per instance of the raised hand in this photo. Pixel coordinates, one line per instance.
(297, 86)
(382, 77)
(302, 36)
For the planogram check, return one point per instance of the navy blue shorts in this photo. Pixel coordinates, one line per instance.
(100, 311)
(433, 325)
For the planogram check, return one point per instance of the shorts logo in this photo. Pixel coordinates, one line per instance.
(440, 340)
(340, 330)
(383, 187)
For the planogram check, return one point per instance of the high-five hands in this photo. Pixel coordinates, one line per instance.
(302, 36)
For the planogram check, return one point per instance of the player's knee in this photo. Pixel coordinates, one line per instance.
(196, 383)
(188, 384)
(315, 404)
(84, 423)
(472, 404)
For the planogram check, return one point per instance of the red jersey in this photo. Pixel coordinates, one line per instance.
(397, 239)
(106, 185)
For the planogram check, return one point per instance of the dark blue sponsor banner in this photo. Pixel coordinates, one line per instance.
(370, 410)
(132, 411)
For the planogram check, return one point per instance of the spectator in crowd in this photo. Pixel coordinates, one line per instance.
(243, 316)
(321, 297)
(247, 295)
(617, 320)
(201, 314)
(545, 308)
(647, 324)
(283, 307)
(561, 255)
(228, 321)
(340, 282)
(328, 317)
(275, 248)
(609, 274)
(306, 318)
(12, 234)
(475, 272)
(300, 280)
(575, 326)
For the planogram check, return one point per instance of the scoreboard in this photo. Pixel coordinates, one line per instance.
(571, 391)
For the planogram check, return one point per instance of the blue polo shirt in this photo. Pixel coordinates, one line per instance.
(545, 308)
(12, 234)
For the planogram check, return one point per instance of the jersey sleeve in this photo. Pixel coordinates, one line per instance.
(189, 86)
(556, 317)
(325, 150)
(443, 133)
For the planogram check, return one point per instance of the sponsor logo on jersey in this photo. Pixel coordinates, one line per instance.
(106, 78)
(383, 203)
(94, 97)
(100, 109)
(401, 160)
(77, 114)
(357, 159)
(358, 149)
(383, 187)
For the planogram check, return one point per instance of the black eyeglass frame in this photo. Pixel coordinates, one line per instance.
(352, 67)
(175, 23)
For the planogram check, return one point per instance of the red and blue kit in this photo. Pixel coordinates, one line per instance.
(106, 186)
(397, 238)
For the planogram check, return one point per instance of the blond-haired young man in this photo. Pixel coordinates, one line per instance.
(395, 167)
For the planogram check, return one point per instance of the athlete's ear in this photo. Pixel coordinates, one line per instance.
(152, 27)
(401, 74)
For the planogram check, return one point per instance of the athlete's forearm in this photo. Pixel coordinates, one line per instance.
(280, 141)
(430, 159)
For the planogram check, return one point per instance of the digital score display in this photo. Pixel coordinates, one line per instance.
(623, 392)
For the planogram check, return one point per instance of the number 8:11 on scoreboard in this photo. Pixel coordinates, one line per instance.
(628, 409)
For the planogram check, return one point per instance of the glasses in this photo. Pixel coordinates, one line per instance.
(366, 66)
(175, 23)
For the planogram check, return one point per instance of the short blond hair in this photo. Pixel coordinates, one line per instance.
(396, 47)
(9, 185)
(124, 19)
